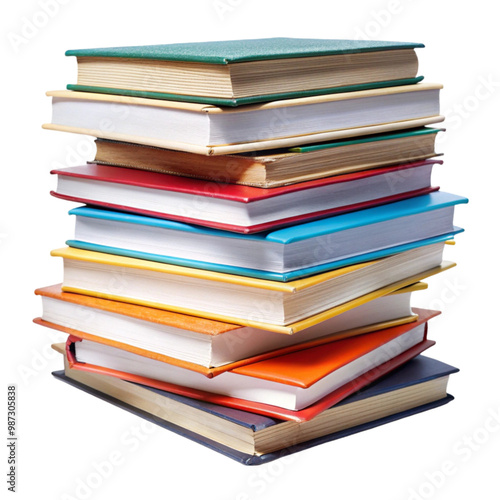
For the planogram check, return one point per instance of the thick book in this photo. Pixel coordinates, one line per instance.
(208, 129)
(207, 346)
(253, 439)
(283, 254)
(235, 72)
(267, 169)
(243, 209)
(269, 305)
(294, 386)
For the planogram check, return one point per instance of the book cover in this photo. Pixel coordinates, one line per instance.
(159, 316)
(305, 367)
(242, 101)
(232, 192)
(419, 370)
(287, 288)
(260, 274)
(375, 138)
(271, 344)
(300, 415)
(233, 51)
(225, 257)
(224, 53)
(227, 131)
(246, 209)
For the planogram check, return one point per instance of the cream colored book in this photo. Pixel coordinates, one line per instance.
(209, 129)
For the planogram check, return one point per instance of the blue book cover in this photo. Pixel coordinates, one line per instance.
(256, 273)
(418, 370)
(286, 236)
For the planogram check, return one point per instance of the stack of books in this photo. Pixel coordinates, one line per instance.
(256, 219)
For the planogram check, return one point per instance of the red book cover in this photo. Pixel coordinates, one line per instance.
(246, 195)
(198, 187)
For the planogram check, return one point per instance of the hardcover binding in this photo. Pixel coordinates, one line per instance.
(259, 274)
(251, 406)
(217, 370)
(242, 101)
(233, 51)
(257, 227)
(244, 458)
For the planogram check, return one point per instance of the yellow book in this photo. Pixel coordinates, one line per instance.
(282, 307)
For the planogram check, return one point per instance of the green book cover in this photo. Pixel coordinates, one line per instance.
(232, 51)
(224, 53)
(370, 138)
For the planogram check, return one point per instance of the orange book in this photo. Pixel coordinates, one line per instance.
(207, 346)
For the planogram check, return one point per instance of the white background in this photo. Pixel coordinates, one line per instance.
(66, 436)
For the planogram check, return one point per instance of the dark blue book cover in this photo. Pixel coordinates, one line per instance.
(418, 370)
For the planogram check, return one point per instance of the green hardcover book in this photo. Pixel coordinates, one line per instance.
(236, 72)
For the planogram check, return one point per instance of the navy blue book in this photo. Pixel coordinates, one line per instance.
(253, 439)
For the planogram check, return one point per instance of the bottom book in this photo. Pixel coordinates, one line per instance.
(253, 439)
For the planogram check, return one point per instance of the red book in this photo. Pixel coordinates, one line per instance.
(233, 207)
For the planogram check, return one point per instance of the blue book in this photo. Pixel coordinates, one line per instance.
(281, 255)
(419, 385)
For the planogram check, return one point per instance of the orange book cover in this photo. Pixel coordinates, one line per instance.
(192, 323)
(305, 367)
(160, 316)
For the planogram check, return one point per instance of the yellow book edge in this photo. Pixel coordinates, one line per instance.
(414, 287)
(285, 329)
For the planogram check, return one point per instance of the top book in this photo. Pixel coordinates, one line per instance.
(236, 72)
